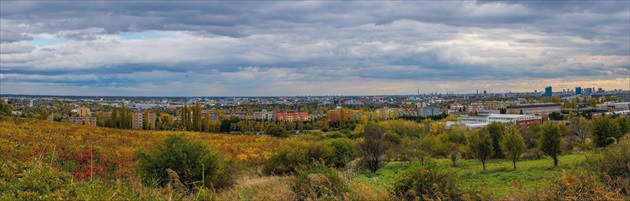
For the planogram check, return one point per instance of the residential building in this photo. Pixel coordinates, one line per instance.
(533, 109)
(137, 120)
(152, 119)
(292, 116)
(430, 111)
(90, 121)
(265, 115)
(83, 112)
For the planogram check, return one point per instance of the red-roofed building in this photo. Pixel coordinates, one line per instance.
(292, 116)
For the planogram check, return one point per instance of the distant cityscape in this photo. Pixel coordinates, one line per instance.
(472, 109)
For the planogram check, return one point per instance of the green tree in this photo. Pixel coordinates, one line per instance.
(513, 144)
(5, 109)
(624, 127)
(113, 121)
(550, 141)
(495, 129)
(344, 151)
(277, 131)
(604, 130)
(480, 144)
(186, 118)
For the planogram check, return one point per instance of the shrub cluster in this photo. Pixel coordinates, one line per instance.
(294, 153)
(427, 182)
(614, 166)
(179, 160)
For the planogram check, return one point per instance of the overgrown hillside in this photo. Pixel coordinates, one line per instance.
(45, 160)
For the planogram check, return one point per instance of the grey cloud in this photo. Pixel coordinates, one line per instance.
(16, 47)
(316, 41)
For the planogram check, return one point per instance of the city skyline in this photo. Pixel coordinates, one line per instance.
(194, 48)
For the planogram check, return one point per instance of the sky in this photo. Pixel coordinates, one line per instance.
(288, 48)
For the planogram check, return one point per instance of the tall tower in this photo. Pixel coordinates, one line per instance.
(548, 92)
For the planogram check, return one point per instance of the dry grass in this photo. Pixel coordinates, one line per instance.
(253, 187)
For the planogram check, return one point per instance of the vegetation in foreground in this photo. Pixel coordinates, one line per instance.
(42, 160)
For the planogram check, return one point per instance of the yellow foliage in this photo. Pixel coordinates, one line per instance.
(109, 149)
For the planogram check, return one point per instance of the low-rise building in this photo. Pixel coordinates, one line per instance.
(292, 116)
(533, 109)
(265, 115)
(495, 105)
(518, 119)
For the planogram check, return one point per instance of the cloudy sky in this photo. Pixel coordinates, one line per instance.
(243, 48)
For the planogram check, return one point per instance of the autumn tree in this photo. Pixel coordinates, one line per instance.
(555, 99)
(196, 118)
(550, 141)
(513, 144)
(593, 102)
(206, 121)
(372, 147)
(43, 113)
(342, 118)
(166, 121)
(480, 144)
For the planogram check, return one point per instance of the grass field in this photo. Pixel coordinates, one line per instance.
(498, 179)
(45, 160)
